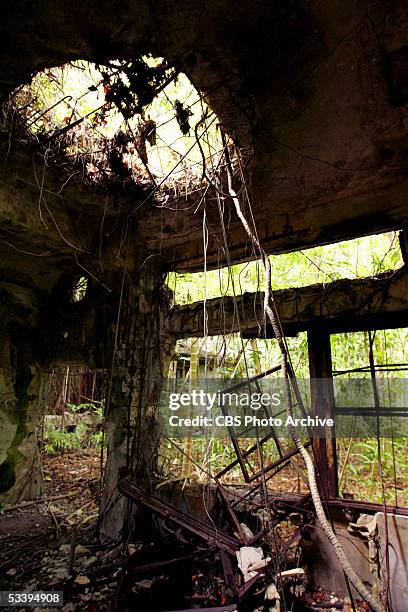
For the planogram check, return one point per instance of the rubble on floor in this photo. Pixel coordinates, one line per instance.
(240, 555)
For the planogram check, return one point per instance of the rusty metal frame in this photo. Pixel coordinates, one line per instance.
(241, 456)
(167, 511)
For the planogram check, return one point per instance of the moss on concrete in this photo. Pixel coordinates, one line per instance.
(18, 410)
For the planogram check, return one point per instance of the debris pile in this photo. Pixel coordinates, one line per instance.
(251, 549)
(221, 564)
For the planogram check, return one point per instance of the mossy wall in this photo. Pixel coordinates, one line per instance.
(22, 385)
(141, 352)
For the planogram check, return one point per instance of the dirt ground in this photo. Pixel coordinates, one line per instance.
(42, 542)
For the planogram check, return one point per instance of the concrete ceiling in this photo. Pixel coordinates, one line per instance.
(314, 91)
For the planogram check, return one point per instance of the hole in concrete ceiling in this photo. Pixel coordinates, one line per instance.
(79, 289)
(137, 122)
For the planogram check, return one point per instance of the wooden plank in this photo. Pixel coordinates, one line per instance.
(322, 397)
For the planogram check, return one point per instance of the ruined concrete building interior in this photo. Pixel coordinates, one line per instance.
(152, 149)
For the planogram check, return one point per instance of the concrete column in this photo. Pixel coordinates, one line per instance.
(141, 350)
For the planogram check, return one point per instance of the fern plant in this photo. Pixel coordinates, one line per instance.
(57, 440)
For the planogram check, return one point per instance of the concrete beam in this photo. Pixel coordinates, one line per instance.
(296, 223)
(345, 305)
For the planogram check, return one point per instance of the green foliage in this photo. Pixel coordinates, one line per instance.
(352, 259)
(357, 258)
(97, 408)
(361, 473)
(100, 103)
(57, 441)
(351, 351)
(97, 439)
